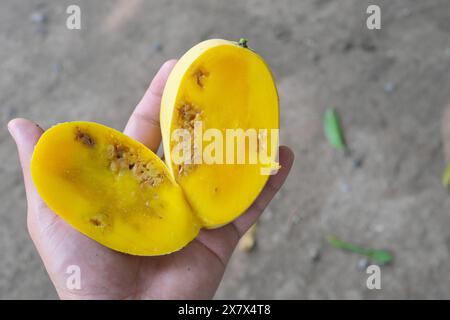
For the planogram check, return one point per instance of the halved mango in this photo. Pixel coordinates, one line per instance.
(112, 189)
(224, 85)
(119, 193)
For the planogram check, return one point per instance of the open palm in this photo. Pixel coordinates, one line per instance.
(191, 273)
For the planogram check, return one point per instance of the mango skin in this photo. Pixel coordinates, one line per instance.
(112, 189)
(228, 87)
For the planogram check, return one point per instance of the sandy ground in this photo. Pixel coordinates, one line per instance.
(390, 87)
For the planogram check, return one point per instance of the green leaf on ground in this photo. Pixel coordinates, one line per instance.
(332, 129)
(377, 256)
(446, 176)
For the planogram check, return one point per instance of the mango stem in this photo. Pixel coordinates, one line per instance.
(243, 42)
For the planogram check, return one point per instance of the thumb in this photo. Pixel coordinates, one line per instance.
(26, 134)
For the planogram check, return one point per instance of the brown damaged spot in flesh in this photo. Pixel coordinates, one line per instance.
(84, 138)
(95, 222)
(99, 221)
(188, 114)
(124, 159)
(120, 157)
(200, 77)
(147, 175)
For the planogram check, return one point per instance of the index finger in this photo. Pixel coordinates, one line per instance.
(143, 124)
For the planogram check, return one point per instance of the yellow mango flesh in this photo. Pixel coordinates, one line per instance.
(225, 86)
(112, 189)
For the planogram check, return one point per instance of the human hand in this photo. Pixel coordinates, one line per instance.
(194, 272)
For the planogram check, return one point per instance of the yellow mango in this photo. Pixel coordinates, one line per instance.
(224, 85)
(112, 189)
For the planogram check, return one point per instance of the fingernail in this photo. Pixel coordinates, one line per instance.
(169, 64)
(12, 128)
(17, 127)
